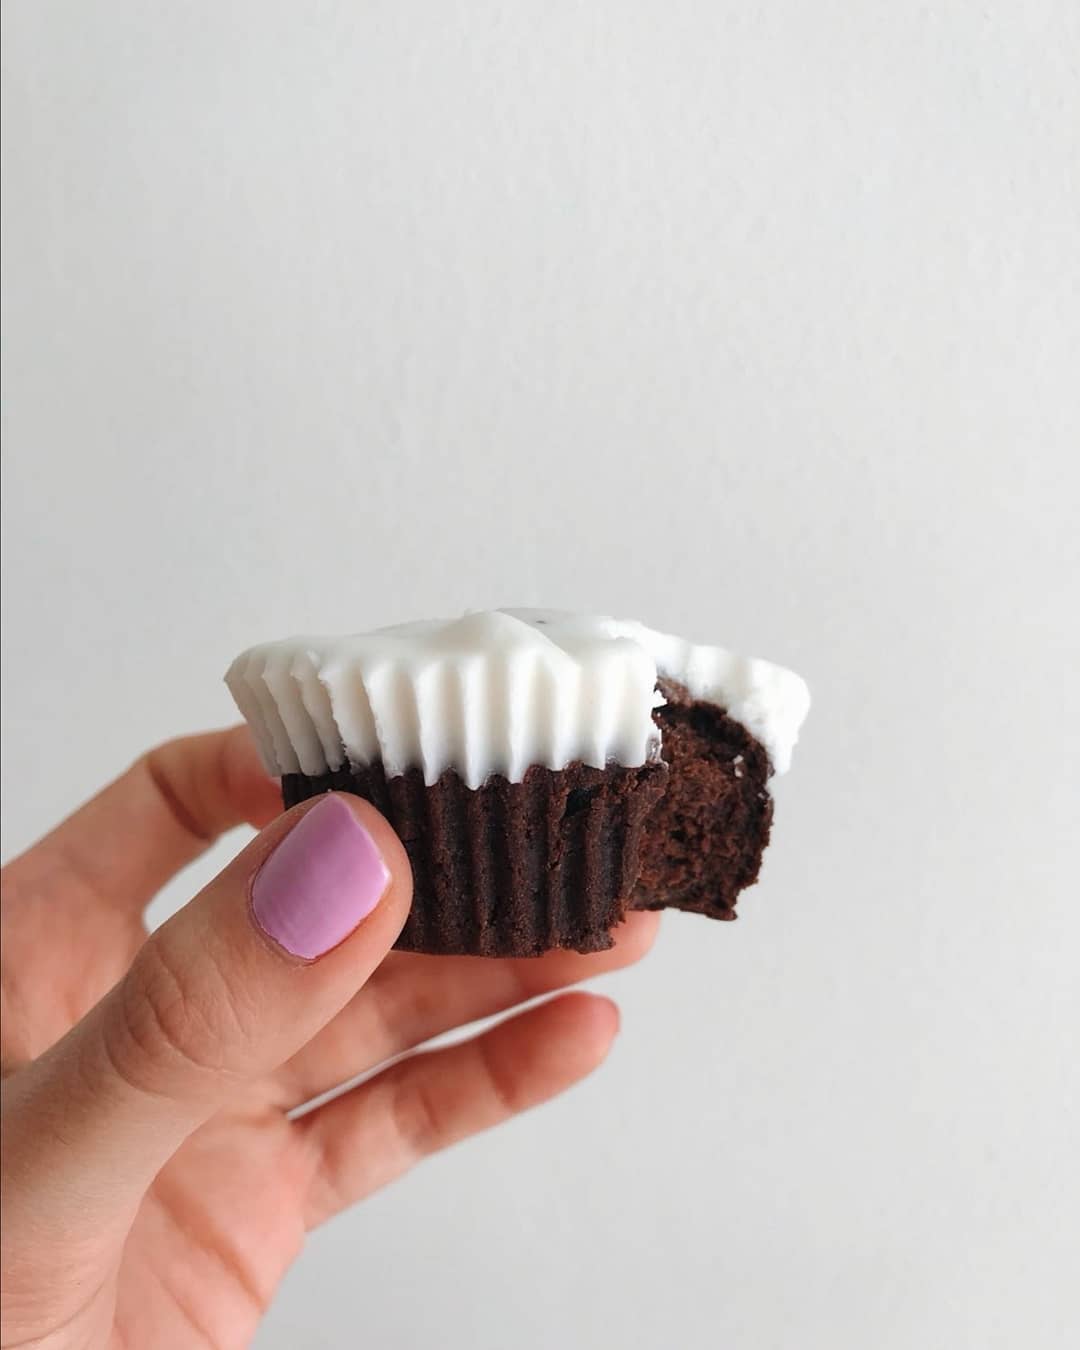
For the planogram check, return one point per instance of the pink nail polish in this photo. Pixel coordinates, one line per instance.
(324, 877)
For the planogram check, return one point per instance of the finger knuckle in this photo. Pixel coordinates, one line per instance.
(501, 1081)
(395, 1003)
(157, 1023)
(168, 769)
(420, 1117)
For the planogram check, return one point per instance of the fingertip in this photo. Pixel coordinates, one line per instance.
(608, 1019)
(329, 881)
(591, 1023)
(247, 780)
(390, 849)
(635, 936)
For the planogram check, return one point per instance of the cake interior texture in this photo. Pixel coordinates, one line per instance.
(556, 860)
(705, 837)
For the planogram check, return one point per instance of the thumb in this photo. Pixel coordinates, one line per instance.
(222, 993)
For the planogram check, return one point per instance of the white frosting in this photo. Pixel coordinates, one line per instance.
(495, 692)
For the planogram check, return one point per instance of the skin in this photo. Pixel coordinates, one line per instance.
(156, 1185)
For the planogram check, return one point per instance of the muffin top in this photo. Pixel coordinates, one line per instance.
(495, 692)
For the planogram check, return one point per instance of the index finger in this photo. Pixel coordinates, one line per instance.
(121, 847)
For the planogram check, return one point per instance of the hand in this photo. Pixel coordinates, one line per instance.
(155, 1185)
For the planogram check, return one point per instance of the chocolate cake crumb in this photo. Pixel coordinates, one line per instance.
(705, 838)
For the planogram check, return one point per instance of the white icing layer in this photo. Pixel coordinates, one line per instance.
(495, 692)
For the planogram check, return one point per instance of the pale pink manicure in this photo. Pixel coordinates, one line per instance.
(324, 877)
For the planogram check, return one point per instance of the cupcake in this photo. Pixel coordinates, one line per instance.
(545, 771)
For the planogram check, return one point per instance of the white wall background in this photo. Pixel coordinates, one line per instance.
(756, 320)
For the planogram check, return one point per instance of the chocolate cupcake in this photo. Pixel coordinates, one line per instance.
(546, 772)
